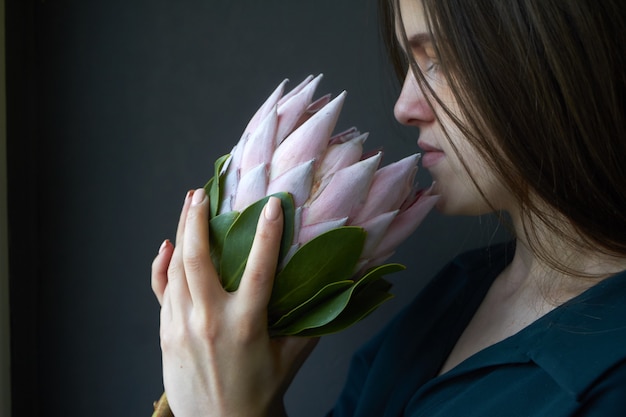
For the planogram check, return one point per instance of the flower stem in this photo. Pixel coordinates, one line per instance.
(162, 408)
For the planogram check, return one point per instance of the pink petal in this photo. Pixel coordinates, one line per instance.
(390, 188)
(311, 231)
(344, 136)
(296, 181)
(251, 187)
(318, 104)
(266, 107)
(313, 108)
(376, 229)
(341, 155)
(236, 155)
(229, 188)
(291, 110)
(345, 192)
(310, 140)
(296, 89)
(259, 146)
(319, 185)
(373, 152)
(405, 223)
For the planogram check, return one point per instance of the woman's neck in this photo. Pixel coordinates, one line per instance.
(553, 265)
(527, 289)
(531, 286)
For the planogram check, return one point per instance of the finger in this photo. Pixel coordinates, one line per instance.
(183, 216)
(202, 278)
(256, 283)
(166, 310)
(159, 269)
(177, 290)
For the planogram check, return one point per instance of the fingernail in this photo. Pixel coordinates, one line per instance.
(272, 208)
(188, 195)
(198, 196)
(163, 245)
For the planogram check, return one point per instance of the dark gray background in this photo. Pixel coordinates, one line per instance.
(116, 109)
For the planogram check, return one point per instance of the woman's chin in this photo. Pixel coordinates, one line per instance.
(456, 207)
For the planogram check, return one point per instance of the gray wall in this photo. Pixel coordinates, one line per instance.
(121, 107)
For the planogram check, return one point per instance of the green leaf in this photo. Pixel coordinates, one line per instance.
(214, 186)
(218, 228)
(379, 271)
(365, 296)
(330, 257)
(360, 306)
(319, 315)
(240, 235)
(208, 187)
(322, 295)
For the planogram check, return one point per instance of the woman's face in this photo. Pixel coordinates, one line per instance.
(458, 193)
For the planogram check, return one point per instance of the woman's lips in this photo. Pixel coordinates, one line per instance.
(430, 155)
(430, 159)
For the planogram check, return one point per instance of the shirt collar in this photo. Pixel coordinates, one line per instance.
(584, 337)
(575, 343)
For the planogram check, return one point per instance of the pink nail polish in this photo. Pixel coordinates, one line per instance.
(198, 196)
(272, 208)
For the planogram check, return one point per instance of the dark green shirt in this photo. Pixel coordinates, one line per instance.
(570, 362)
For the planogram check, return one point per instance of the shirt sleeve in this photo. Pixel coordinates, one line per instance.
(358, 372)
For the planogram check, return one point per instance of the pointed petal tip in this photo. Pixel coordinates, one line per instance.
(376, 156)
(335, 105)
(315, 81)
(295, 90)
(318, 104)
(280, 89)
(413, 157)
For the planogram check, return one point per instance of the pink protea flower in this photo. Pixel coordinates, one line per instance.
(344, 214)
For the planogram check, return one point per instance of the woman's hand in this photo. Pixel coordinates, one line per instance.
(218, 359)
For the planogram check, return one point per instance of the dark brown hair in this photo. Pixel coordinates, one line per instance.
(541, 86)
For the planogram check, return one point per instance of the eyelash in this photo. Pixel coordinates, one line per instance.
(434, 66)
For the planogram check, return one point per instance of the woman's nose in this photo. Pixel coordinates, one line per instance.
(412, 107)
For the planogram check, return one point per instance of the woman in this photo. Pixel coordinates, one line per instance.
(520, 109)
